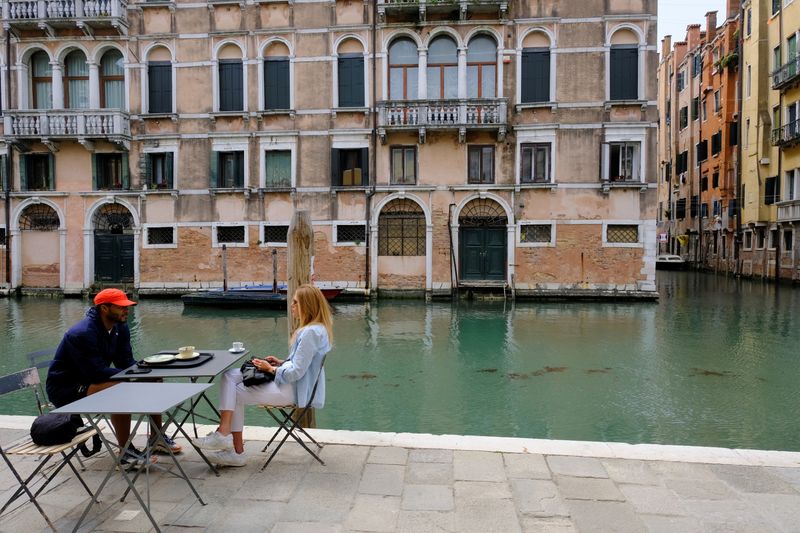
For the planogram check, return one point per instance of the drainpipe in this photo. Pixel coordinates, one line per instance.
(737, 238)
(7, 83)
(373, 144)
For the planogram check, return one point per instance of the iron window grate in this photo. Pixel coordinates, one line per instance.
(276, 234)
(161, 235)
(351, 233)
(230, 234)
(39, 217)
(113, 218)
(622, 233)
(536, 233)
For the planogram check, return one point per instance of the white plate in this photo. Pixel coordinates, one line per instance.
(159, 358)
(194, 355)
(235, 351)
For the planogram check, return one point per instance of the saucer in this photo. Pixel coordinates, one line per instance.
(194, 355)
(235, 351)
(159, 358)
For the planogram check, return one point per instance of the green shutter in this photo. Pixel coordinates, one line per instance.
(239, 169)
(23, 172)
(146, 168)
(364, 166)
(168, 163)
(3, 171)
(51, 172)
(94, 172)
(213, 166)
(336, 178)
(126, 175)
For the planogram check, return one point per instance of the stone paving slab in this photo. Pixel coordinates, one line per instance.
(382, 483)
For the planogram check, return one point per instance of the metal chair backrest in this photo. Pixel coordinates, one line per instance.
(24, 379)
(316, 381)
(42, 358)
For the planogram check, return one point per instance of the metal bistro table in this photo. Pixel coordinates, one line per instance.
(145, 400)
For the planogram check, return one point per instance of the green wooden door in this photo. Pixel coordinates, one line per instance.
(113, 258)
(483, 254)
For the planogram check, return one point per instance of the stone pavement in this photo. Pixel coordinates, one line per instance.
(424, 483)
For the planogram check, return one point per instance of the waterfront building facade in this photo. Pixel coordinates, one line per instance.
(435, 145)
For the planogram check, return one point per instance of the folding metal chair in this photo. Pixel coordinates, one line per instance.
(42, 359)
(29, 378)
(288, 418)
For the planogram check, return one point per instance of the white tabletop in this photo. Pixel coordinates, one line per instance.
(135, 398)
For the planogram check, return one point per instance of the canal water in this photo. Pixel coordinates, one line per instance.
(714, 363)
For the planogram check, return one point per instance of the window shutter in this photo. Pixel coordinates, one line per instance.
(351, 81)
(624, 73)
(146, 169)
(230, 85)
(535, 75)
(23, 172)
(345, 88)
(276, 84)
(51, 172)
(214, 163)
(126, 175)
(336, 178)
(94, 172)
(240, 169)
(364, 156)
(283, 84)
(160, 86)
(168, 164)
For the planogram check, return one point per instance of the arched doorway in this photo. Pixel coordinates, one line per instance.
(113, 244)
(40, 248)
(482, 241)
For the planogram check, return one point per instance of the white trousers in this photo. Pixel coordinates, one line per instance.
(234, 396)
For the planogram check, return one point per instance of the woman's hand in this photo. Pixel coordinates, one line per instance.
(264, 366)
(274, 361)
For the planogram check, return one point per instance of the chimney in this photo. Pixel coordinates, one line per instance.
(711, 26)
(666, 45)
(733, 8)
(693, 35)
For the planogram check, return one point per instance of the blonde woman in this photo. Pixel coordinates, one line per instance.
(294, 378)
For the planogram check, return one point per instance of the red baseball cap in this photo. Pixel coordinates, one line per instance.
(112, 296)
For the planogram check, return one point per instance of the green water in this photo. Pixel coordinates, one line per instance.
(714, 363)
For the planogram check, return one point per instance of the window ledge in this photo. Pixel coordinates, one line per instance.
(536, 105)
(229, 190)
(540, 185)
(335, 110)
(228, 2)
(621, 103)
(156, 3)
(159, 116)
(152, 190)
(275, 112)
(228, 114)
(263, 190)
(349, 188)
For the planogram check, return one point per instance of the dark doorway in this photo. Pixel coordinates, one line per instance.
(482, 241)
(113, 244)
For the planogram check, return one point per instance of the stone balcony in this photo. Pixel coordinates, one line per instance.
(787, 75)
(459, 115)
(421, 8)
(786, 136)
(788, 211)
(81, 125)
(51, 15)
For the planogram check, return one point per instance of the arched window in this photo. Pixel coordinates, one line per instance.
(112, 80)
(42, 81)
(401, 229)
(481, 67)
(403, 70)
(231, 79)
(159, 81)
(276, 77)
(624, 68)
(350, 73)
(536, 68)
(39, 217)
(76, 81)
(442, 69)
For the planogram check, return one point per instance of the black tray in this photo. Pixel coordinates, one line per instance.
(178, 363)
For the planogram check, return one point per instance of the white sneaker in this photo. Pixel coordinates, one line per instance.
(215, 442)
(227, 458)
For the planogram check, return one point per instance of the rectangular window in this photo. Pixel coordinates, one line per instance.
(682, 163)
(697, 65)
(536, 233)
(681, 80)
(159, 81)
(622, 233)
(695, 108)
(111, 172)
(351, 233)
(231, 93)
(701, 151)
(351, 80)
(36, 172)
(535, 75)
(717, 104)
(716, 206)
(748, 82)
(776, 58)
(704, 210)
(680, 209)
(481, 164)
(715, 180)
(623, 162)
(716, 143)
(772, 190)
(733, 134)
(760, 238)
(160, 235)
(788, 240)
(401, 234)
(278, 172)
(694, 206)
(704, 183)
(229, 170)
(683, 117)
(776, 6)
(276, 234)
(535, 163)
(624, 72)
(350, 167)
(404, 165)
(773, 238)
(749, 21)
(230, 234)
(276, 83)
(748, 240)
(705, 109)
(3, 241)
(668, 172)
(158, 171)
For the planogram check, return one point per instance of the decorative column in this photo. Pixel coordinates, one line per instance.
(94, 85)
(422, 78)
(58, 86)
(499, 80)
(22, 86)
(462, 73)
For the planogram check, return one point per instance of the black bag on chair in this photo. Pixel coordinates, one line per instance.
(253, 376)
(52, 429)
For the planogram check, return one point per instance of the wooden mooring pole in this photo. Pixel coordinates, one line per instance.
(301, 248)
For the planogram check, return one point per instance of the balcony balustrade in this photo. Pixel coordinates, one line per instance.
(787, 74)
(388, 8)
(789, 211)
(48, 15)
(461, 115)
(787, 135)
(84, 125)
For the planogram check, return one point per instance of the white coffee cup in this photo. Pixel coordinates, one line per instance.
(185, 352)
(237, 347)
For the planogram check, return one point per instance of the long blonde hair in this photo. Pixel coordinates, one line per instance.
(314, 309)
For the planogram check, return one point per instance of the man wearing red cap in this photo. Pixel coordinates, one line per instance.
(82, 363)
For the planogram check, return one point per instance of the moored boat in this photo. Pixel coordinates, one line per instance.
(670, 262)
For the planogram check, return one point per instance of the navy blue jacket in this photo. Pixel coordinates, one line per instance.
(86, 354)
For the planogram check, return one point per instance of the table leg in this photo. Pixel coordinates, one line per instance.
(160, 438)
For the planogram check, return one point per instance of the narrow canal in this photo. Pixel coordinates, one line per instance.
(714, 363)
